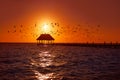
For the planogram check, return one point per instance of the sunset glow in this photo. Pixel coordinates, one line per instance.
(46, 28)
(74, 21)
(59, 39)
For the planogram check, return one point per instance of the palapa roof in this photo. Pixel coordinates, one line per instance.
(45, 37)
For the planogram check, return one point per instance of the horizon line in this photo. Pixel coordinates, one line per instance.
(71, 42)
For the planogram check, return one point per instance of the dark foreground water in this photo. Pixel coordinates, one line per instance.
(32, 62)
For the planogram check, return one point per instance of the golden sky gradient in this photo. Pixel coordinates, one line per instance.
(66, 20)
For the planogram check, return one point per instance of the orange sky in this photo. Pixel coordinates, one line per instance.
(68, 20)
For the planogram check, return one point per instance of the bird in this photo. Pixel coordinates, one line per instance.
(14, 26)
(98, 25)
(20, 31)
(35, 25)
(78, 24)
(21, 26)
(55, 23)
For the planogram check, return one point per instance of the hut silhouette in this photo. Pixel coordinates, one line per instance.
(45, 39)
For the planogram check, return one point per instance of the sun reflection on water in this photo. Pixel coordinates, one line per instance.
(43, 60)
(40, 76)
(46, 59)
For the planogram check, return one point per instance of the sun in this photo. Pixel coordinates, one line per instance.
(46, 28)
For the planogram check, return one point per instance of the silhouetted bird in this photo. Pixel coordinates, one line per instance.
(55, 23)
(20, 31)
(35, 25)
(21, 26)
(14, 31)
(14, 26)
(98, 25)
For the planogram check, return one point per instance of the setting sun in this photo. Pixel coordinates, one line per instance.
(45, 28)
(59, 39)
(73, 22)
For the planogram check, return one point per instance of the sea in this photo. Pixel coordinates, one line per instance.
(19, 61)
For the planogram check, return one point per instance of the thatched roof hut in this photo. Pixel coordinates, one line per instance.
(45, 38)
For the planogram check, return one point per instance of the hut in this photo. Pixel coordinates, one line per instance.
(45, 39)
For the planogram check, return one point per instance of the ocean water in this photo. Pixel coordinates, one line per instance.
(54, 62)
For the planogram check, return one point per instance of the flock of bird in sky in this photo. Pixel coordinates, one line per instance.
(57, 29)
